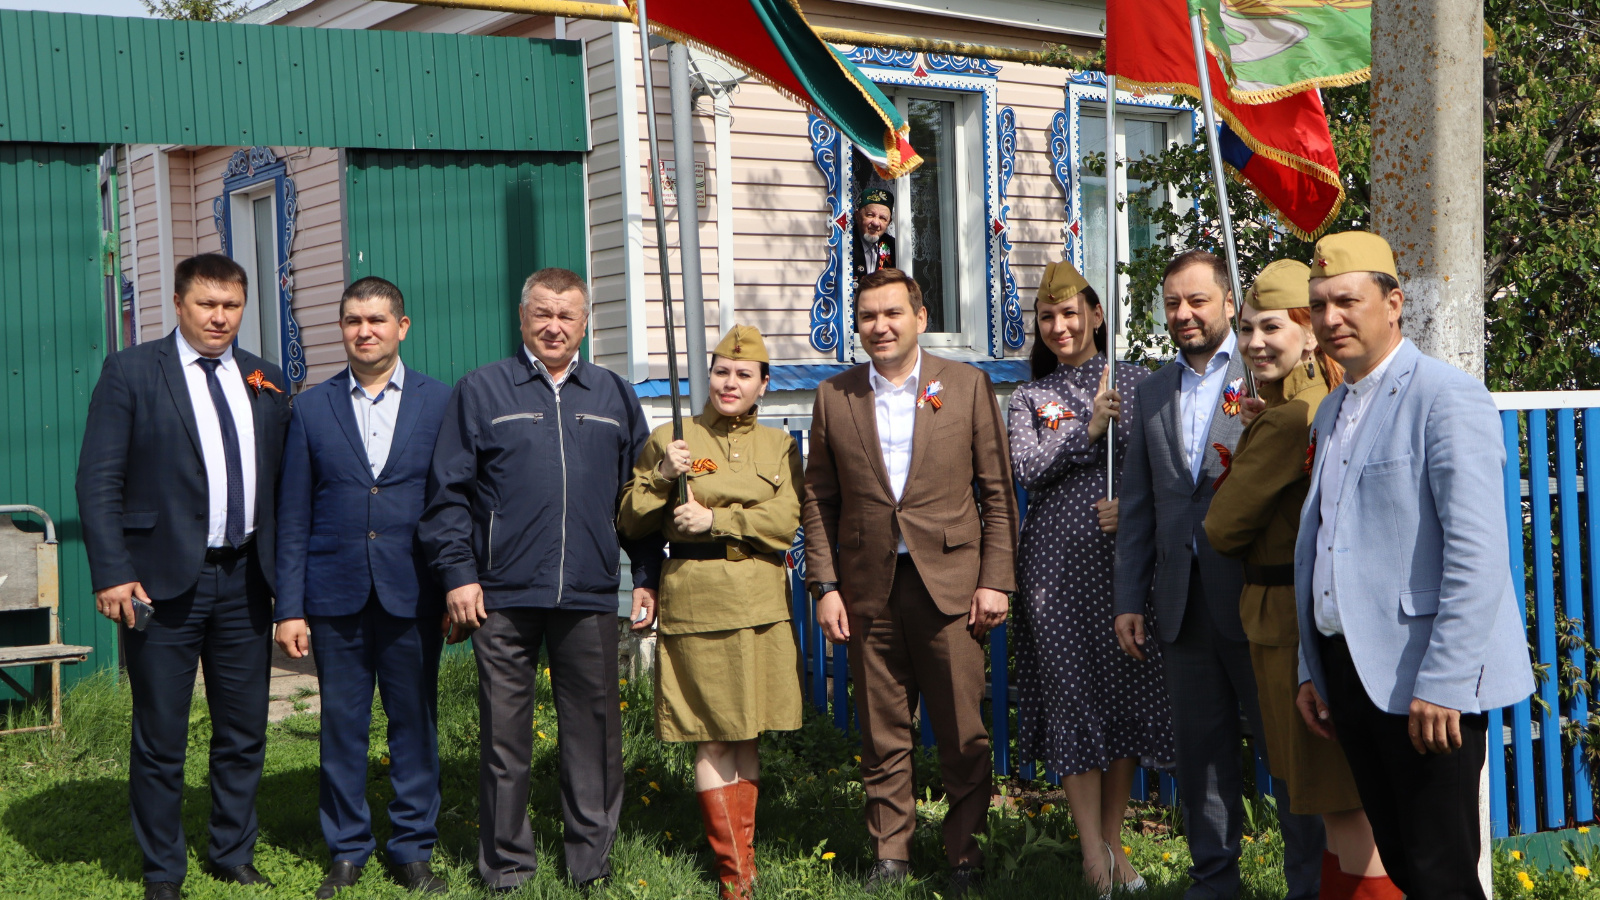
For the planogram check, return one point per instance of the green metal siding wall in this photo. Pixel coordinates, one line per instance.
(459, 233)
(99, 79)
(51, 329)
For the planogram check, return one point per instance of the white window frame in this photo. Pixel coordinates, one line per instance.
(1087, 91)
(261, 310)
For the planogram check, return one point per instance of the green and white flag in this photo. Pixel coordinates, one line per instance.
(1269, 49)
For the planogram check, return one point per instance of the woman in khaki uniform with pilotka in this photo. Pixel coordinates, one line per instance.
(727, 657)
(1256, 515)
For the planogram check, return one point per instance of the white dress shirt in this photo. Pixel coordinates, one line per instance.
(896, 411)
(555, 383)
(1197, 402)
(376, 415)
(1338, 447)
(210, 431)
(869, 255)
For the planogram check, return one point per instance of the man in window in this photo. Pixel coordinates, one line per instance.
(354, 591)
(521, 529)
(872, 246)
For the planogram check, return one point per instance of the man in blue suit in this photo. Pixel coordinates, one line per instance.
(353, 589)
(175, 491)
(1409, 628)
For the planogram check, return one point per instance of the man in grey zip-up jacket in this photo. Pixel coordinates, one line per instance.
(521, 529)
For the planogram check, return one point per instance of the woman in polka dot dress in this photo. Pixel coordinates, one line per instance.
(1089, 712)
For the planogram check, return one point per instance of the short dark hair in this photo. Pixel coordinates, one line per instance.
(1218, 265)
(374, 288)
(885, 277)
(558, 281)
(212, 267)
(1385, 282)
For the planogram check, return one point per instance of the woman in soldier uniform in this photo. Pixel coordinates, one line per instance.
(1256, 515)
(727, 655)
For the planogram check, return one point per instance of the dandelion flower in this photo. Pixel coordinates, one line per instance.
(540, 734)
(1581, 871)
(622, 682)
(858, 759)
(645, 800)
(1260, 859)
(669, 835)
(1248, 839)
(643, 883)
(654, 786)
(384, 760)
(1516, 854)
(1583, 829)
(1031, 814)
(1166, 857)
(547, 671)
(829, 855)
(1048, 808)
(1525, 881)
(1126, 849)
(624, 705)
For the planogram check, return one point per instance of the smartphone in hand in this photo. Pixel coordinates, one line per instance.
(142, 612)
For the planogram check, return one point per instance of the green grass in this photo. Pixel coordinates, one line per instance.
(64, 830)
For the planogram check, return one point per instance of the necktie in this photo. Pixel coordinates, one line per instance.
(230, 452)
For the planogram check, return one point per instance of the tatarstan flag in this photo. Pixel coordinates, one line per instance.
(772, 40)
(1282, 149)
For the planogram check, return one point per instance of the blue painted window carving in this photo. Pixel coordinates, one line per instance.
(255, 217)
(950, 216)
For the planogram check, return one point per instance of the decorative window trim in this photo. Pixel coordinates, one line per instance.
(248, 167)
(833, 300)
(1066, 142)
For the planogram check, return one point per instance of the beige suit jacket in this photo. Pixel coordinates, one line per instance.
(957, 514)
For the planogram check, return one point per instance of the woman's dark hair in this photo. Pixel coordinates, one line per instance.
(1042, 360)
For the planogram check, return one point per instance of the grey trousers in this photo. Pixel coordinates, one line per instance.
(582, 650)
(1211, 685)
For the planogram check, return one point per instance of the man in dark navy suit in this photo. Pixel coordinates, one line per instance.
(177, 492)
(353, 589)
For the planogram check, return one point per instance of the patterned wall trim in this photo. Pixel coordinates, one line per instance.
(252, 166)
(878, 56)
(1011, 307)
(833, 287)
(960, 65)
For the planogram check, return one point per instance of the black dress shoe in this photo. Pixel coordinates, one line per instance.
(341, 875)
(887, 872)
(419, 877)
(162, 890)
(964, 879)
(245, 874)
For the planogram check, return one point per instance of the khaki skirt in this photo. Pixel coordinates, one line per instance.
(727, 685)
(1315, 768)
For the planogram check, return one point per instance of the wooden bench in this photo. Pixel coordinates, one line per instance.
(29, 582)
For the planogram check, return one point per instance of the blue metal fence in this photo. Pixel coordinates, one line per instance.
(1538, 782)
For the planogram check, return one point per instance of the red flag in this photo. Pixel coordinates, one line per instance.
(1282, 149)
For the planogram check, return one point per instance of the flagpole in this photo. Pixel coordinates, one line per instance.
(661, 232)
(1214, 142)
(1112, 317)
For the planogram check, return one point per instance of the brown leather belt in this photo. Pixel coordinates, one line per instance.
(1269, 576)
(717, 550)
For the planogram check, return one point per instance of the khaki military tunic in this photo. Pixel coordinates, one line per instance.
(727, 659)
(1256, 515)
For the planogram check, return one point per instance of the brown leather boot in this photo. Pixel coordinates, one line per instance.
(749, 792)
(720, 808)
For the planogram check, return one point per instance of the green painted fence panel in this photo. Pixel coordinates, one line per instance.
(95, 79)
(50, 358)
(459, 233)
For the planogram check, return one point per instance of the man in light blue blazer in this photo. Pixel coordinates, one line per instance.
(1409, 628)
(354, 590)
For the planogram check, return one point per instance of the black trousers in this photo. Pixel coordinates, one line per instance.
(583, 674)
(1423, 807)
(224, 622)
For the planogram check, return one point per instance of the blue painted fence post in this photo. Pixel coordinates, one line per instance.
(1572, 596)
(1521, 713)
(1544, 600)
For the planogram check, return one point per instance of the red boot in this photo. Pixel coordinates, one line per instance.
(720, 808)
(1380, 888)
(749, 792)
(1336, 884)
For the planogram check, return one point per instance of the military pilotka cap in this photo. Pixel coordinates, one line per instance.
(1352, 251)
(743, 342)
(1284, 284)
(1061, 283)
(878, 196)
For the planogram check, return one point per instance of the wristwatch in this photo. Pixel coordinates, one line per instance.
(820, 588)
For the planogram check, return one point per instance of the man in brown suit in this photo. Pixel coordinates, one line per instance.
(910, 565)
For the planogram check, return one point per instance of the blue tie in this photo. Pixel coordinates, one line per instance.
(230, 452)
